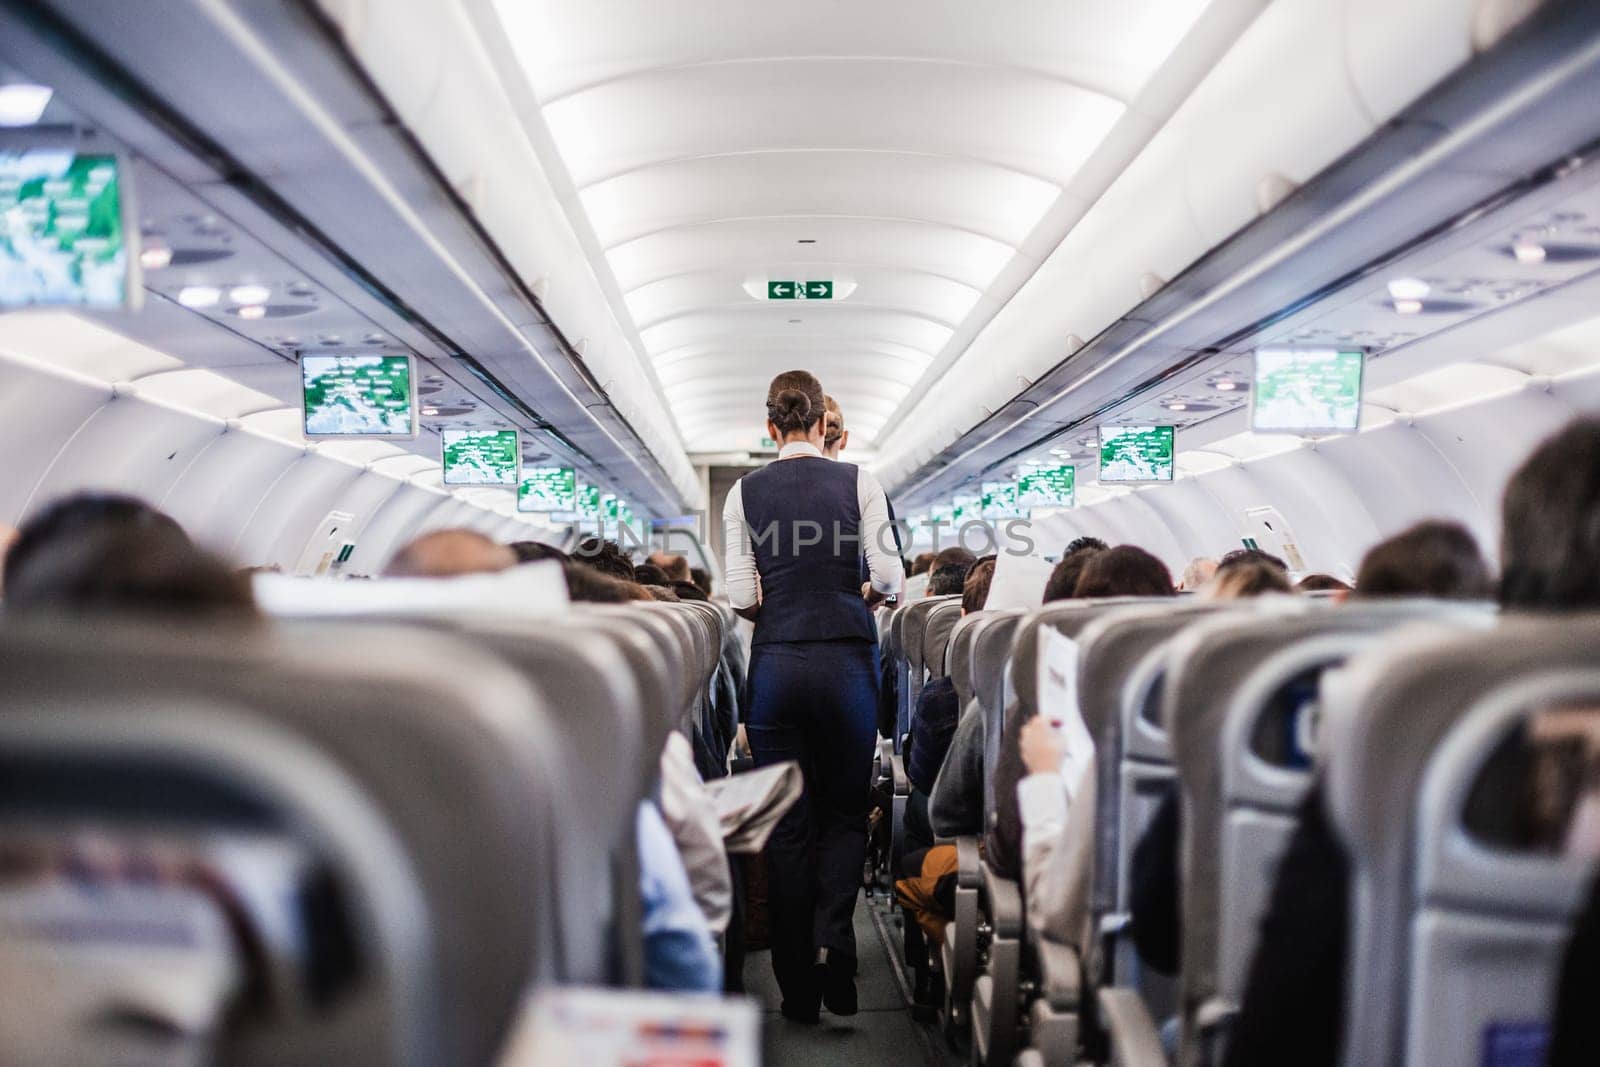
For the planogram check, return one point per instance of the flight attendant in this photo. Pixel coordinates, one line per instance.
(796, 532)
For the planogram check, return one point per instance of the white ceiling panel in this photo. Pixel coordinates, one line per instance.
(905, 151)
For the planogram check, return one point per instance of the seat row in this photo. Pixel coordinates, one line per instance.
(1402, 708)
(447, 805)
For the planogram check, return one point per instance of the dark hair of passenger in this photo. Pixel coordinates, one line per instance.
(607, 557)
(923, 563)
(794, 402)
(650, 574)
(975, 591)
(1241, 556)
(1321, 583)
(954, 556)
(947, 581)
(1126, 570)
(1432, 559)
(588, 585)
(534, 551)
(1063, 581)
(78, 516)
(1078, 544)
(120, 567)
(662, 593)
(702, 580)
(1550, 524)
(833, 429)
(1246, 580)
(450, 554)
(690, 591)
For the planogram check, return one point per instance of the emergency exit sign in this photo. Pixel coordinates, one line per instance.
(799, 290)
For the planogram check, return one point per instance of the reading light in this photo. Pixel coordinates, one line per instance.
(252, 311)
(199, 296)
(1528, 251)
(249, 294)
(1409, 288)
(155, 257)
(23, 104)
(1408, 307)
(1225, 385)
(430, 411)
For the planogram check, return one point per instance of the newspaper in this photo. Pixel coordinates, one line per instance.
(749, 805)
(1058, 703)
(1018, 581)
(616, 1028)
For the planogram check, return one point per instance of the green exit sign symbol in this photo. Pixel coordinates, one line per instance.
(768, 443)
(799, 290)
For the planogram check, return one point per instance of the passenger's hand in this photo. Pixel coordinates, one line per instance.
(1041, 753)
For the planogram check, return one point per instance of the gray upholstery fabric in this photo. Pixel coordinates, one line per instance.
(936, 636)
(960, 651)
(1448, 936)
(989, 660)
(913, 631)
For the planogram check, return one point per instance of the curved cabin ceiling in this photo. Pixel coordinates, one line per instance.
(906, 151)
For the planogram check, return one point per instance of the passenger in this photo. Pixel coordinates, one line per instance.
(648, 574)
(1293, 1005)
(1126, 570)
(587, 585)
(1197, 574)
(660, 593)
(812, 682)
(690, 591)
(1322, 583)
(922, 563)
(1063, 581)
(605, 556)
(675, 566)
(1250, 579)
(92, 553)
(1082, 544)
(1431, 559)
(834, 436)
(948, 572)
(702, 579)
(680, 954)
(450, 554)
(536, 551)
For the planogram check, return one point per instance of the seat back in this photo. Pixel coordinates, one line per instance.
(991, 656)
(941, 622)
(326, 732)
(960, 653)
(1238, 706)
(1458, 924)
(909, 650)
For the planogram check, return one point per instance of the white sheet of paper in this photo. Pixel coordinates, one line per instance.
(533, 590)
(618, 1028)
(1058, 702)
(1018, 581)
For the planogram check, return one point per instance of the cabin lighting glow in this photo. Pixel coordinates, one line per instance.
(1225, 386)
(1409, 288)
(199, 296)
(23, 104)
(252, 311)
(1177, 405)
(1528, 251)
(155, 257)
(249, 294)
(1408, 307)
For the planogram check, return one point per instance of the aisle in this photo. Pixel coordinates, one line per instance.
(882, 1034)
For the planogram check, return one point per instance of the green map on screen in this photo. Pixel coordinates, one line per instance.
(1048, 487)
(480, 457)
(1306, 390)
(357, 396)
(547, 489)
(1136, 453)
(61, 238)
(588, 501)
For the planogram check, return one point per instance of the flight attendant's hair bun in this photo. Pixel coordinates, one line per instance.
(794, 401)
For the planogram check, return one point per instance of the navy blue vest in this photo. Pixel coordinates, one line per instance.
(804, 518)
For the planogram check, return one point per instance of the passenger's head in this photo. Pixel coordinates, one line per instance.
(1240, 557)
(587, 585)
(702, 579)
(650, 574)
(1063, 581)
(795, 407)
(922, 563)
(1249, 580)
(662, 593)
(138, 561)
(975, 591)
(948, 573)
(675, 566)
(450, 554)
(1078, 544)
(7, 535)
(1433, 559)
(535, 551)
(1550, 528)
(1322, 583)
(607, 557)
(689, 591)
(1200, 570)
(1126, 570)
(835, 438)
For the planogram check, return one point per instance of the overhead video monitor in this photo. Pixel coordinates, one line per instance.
(547, 489)
(357, 396)
(1306, 390)
(998, 500)
(1048, 487)
(587, 501)
(610, 507)
(1136, 453)
(480, 457)
(65, 238)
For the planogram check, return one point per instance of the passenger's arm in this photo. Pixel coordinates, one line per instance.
(955, 807)
(739, 557)
(1043, 800)
(877, 539)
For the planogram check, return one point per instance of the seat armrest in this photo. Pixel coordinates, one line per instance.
(1134, 1040)
(1060, 971)
(1004, 902)
(969, 865)
(902, 784)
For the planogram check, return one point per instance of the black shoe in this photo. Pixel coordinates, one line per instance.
(811, 1014)
(836, 977)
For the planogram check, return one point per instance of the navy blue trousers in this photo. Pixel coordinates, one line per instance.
(815, 702)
